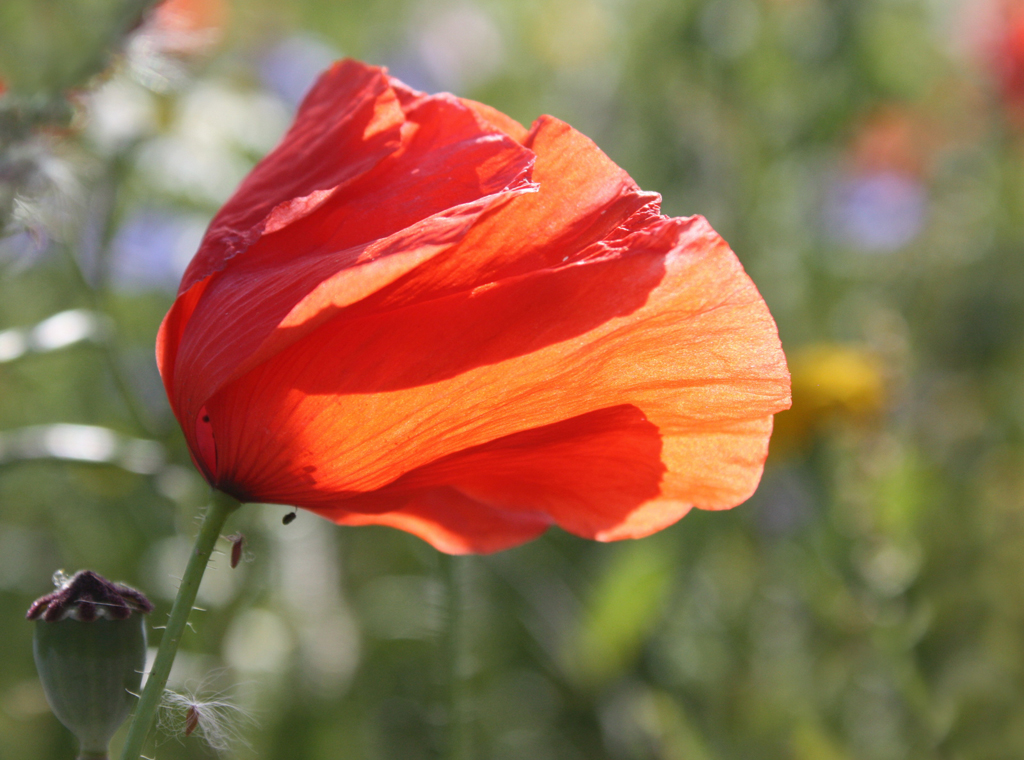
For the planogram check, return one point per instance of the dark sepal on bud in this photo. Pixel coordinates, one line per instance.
(90, 651)
(86, 596)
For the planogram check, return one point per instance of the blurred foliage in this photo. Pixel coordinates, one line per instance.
(865, 160)
(53, 46)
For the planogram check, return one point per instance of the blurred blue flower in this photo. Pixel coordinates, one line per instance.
(153, 247)
(461, 46)
(876, 212)
(453, 48)
(290, 67)
(23, 249)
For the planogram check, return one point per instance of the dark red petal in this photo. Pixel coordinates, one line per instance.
(413, 206)
(168, 342)
(348, 123)
(447, 519)
(589, 473)
(426, 344)
(670, 325)
(498, 120)
(583, 199)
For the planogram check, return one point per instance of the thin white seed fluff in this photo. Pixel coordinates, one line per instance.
(214, 718)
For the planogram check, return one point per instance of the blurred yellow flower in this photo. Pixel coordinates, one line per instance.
(832, 383)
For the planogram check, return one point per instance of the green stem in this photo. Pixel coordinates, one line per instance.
(458, 744)
(220, 507)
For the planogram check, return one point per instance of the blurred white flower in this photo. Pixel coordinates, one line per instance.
(66, 328)
(119, 112)
(173, 32)
(216, 136)
(460, 46)
(50, 197)
(82, 443)
(59, 331)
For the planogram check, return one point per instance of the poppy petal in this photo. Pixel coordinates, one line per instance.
(444, 517)
(347, 124)
(469, 172)
(582, 199)
(589, 473)
(417, 313)
(498, 120)
(681, 334)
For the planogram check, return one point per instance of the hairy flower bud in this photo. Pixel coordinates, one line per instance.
(90, 651)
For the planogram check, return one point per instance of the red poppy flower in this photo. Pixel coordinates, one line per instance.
(181, 28)
(993, 35)
(1009, 56)
(414, 312)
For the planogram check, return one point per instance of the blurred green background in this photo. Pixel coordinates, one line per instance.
(865, 159)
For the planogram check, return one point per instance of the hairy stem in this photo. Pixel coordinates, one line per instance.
(220, 507)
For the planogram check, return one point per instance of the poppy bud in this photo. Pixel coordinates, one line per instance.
(90, 651)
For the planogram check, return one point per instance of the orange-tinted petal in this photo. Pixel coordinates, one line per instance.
(429, 344)
(444, 517)
(582, 199)
(498, 120)
(670, 325)
(588, 473)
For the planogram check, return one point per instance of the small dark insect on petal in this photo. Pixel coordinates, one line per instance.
(191, 720)
(237, 546)
(287, 519)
